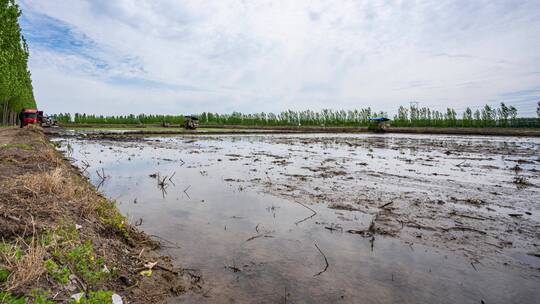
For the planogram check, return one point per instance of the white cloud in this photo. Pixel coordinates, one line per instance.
(194, 56)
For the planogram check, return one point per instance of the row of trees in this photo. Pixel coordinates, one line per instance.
(504, 116)
(326, 117)
(487, 116)
(286, 118)
(120, 119)
(15, 81)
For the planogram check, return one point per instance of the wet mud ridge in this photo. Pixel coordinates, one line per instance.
(476, 196)
(61, 240)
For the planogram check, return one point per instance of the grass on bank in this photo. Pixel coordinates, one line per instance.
(16, 146)
(59, 253)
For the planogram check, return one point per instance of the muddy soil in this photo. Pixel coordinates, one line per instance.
(319, 218)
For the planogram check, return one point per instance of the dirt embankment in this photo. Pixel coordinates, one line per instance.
(240, 129)
(60, 237)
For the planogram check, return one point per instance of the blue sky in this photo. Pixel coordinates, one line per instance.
(136, 56)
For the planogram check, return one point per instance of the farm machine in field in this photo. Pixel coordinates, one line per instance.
(377, 124)
(191, 122)
(45, 121)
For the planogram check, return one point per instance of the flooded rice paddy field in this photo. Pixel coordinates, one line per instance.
(333, 218)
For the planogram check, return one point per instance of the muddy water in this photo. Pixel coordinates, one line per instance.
(249, 212)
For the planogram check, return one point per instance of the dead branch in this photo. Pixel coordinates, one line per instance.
(164, 239)
(307, 218)
(387, 204)
(325, 261)
(102, 176)
(266, 234)
(461, 163)
(185, 191)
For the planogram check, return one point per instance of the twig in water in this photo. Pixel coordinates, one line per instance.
(187, 190)
(267, 234)
(307, 218)
(162, 181)
(325, 261)
(86, 166)
(164, 239)
(474, 267)
(102, 176)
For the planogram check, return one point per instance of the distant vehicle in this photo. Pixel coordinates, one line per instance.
(377, 124)
(33, 116)
(28, 117)
(191, 122)
(379, 119)
(45, 121)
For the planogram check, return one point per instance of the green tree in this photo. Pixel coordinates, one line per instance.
(504, 113)
(468, 117)
(488, 116)
(15, 79)
(512, 111)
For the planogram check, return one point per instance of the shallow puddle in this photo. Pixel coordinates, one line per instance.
(219, 211)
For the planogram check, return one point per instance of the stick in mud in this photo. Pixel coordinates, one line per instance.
(461, 163)
(325, 261)
(387, 204)
(307, 218)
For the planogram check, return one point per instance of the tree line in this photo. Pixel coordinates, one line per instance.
(15, 80)
(487, 116)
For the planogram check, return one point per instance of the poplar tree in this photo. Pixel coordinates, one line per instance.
(15, 80)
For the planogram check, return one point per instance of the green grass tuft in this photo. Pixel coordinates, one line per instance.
(16, 146)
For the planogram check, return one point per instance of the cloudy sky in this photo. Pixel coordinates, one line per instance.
(174, 56)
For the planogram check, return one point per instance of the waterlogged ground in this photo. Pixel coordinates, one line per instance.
(334, 218)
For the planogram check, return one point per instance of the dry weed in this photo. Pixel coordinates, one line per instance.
(53, 182)
(24, 266)
(28, 268)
